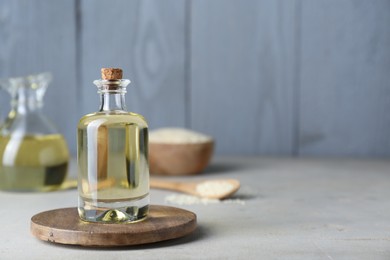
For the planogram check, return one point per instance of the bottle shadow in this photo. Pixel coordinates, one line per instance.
(199, 233)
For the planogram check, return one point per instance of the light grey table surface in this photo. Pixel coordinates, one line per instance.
(285, 209)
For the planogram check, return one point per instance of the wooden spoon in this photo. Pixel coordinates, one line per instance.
(210, 189)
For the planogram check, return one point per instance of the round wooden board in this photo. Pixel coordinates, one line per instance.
(64, 226)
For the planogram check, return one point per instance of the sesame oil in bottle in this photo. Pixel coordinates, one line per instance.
(113, 178)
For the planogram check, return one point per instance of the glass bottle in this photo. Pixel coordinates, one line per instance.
(33, 155)
(112, 155)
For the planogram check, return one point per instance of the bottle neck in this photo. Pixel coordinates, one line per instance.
(112, 94)
(112, 101)
(26, 92)
(26, 101)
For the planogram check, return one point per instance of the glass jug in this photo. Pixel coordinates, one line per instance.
(33, 155)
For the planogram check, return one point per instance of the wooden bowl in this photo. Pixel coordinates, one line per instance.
(179, 159)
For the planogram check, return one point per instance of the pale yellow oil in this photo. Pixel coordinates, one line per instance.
(33, 163)
(113, 167)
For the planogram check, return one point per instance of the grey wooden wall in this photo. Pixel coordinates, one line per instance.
(291, 78)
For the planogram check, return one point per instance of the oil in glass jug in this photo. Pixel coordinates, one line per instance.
(112, 155)
(33, 155)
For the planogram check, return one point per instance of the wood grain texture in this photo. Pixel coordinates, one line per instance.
(146, 39)
(64, 226)
(38, 36)
(262, 77)
(345, 91)
(242, 75)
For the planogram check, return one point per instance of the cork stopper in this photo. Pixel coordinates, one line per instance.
(111, 73)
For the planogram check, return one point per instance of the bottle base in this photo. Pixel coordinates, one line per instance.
(125, 211)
